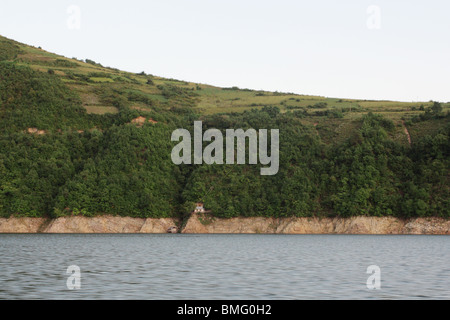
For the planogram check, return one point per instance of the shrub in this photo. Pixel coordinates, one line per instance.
(64, 63)
(93, 63)
(8, 50)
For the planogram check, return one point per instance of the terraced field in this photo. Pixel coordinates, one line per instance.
(334, 118)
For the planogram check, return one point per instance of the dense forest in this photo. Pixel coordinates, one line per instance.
(57, 159)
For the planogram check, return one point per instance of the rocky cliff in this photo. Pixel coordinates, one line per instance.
(101, 224)
(199, 223)
(21, 225)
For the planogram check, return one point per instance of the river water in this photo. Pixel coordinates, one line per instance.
(267, 267)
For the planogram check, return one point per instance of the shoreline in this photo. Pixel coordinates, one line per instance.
(204, 224)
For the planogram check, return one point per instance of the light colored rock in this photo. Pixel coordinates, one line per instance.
(100, 224)
(204, 223)
(354, 225)
(427, 226)
(194, 225)
(368, 225)
(157, 225)
(21, 225)
(35, 131)
(200, 223)
(139, 121)
(306, 226)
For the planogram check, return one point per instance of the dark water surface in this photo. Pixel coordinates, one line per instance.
(224, 266)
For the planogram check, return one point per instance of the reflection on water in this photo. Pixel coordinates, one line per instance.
(224, 266)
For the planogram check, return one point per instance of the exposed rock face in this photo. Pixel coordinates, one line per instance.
(356, 225)
(157, 225)
(20, 225)
(102, 224)
(427, 226)
(139, 121)
(35, 131)
(201, 223)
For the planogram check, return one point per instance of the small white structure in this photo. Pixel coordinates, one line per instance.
(199, 207)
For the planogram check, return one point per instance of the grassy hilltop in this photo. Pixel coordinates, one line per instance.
(77, 137)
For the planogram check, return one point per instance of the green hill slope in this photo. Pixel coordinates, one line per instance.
(80, 138)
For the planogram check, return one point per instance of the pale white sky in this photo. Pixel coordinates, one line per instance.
(397, 50)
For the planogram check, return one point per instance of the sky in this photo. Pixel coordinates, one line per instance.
(377, 49)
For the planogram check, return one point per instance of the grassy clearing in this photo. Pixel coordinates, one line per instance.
(101, 80)
(101, 109)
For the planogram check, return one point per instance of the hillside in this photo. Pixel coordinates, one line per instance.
(78, 138)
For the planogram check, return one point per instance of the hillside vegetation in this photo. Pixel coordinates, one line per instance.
(78, 138)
